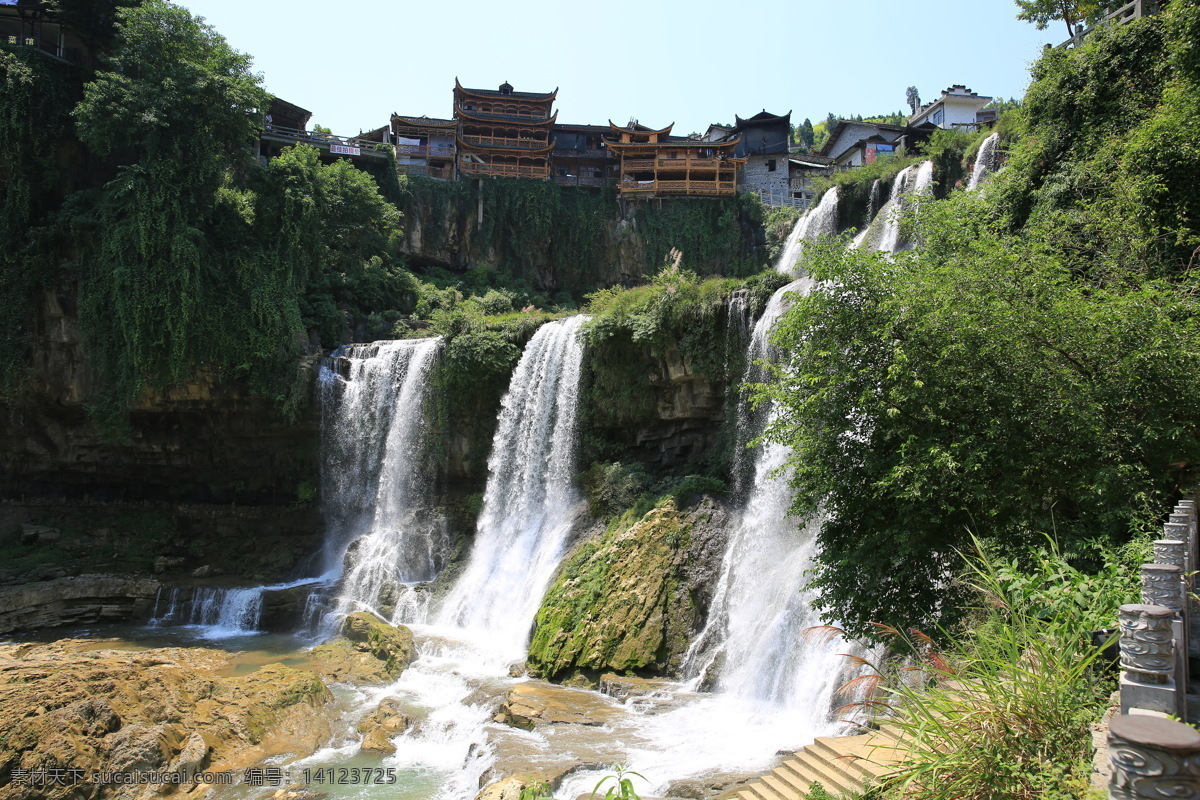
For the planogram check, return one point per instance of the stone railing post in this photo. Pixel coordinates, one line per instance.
(1162, 585)
(1187, 509)
(1147, 659)
(1153, 757)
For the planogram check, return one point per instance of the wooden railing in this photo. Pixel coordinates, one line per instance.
(504, 141)
(442, 151)
(639, 164)
(679, 187)
(504, 170)
(690, 163)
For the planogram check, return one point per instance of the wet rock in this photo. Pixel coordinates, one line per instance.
(205, 571)
(74, 600)
(172, 709)
(39, 534)
(385, 722)
(506, 789)
(657, 576)
(528, 705)
(368, 651)
(164, 563)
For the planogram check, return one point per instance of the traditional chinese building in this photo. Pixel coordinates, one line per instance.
(504, 132)
(651, 162)
(580, 157)
(764, 145)
(425, 146)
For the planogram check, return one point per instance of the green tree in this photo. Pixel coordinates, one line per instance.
(1072, 12)
(806, 133)
(976, 385)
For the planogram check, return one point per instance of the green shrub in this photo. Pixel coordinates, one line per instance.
(1005, 711)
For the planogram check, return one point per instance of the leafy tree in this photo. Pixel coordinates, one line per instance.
(806, 133)
(1072, 12)
(975, 385)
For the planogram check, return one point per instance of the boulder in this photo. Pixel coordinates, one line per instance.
(369, 651)
(378, 727)
(528, 705)
(630, 600)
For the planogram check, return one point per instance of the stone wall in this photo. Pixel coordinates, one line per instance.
(757, 175)
(83, 599)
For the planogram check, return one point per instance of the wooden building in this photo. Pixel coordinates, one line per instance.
(504, 132)
(580, 157)
(425, 146)
(651, 162)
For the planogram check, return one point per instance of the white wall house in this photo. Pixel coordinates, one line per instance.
(958, 107)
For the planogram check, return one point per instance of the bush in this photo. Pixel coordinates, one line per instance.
(1004, 713)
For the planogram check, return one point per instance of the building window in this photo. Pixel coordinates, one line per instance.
(771, 165)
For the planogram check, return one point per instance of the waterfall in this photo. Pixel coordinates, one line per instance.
(818, 221)
(985, 161)
(376, 493)
(530, 498)
(224, 612)
(755, 635)
(883, 232)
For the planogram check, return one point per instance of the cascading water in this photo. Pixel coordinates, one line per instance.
(385, 535)
(221, 612)
(985, 161)
(225, 612)
(760, 607)
(530, 500)
(883, 232)
(818, 221)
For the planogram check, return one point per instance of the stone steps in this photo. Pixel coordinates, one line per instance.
(843, 765)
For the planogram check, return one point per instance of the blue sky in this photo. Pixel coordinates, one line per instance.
(354, 63)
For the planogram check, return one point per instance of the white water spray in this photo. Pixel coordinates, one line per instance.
(985, 161)
(818, 221)
(530, 500)
(385, 534)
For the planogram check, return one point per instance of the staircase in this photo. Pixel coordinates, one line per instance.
(843, 765)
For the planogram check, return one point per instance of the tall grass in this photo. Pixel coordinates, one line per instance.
(1003, 712)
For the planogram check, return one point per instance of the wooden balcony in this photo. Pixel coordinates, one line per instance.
(504, 170)
(504, 141)
(425, 151)
(688, 163)
(685, 187)
(630, 164)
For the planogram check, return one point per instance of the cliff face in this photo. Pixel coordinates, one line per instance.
(207, 475)
(576, 240)
(199, 442)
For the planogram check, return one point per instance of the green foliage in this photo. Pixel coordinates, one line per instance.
(537, 791)
(613, 487)
(1031, 369)
(622, 785)
(976, 383)
(35, 94)
(1071, 12)
(713, 236)
(817, 792)
(1005, 712)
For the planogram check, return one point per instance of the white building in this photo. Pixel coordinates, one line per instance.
(958, 107)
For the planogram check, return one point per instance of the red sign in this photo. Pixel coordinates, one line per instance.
(344, 150)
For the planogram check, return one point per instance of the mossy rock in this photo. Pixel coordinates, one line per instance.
(368, 651)
(629, 600)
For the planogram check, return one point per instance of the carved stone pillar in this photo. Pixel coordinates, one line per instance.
(1162, 585)
(1171, 551)
(1153, 757)
(1147, 643)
